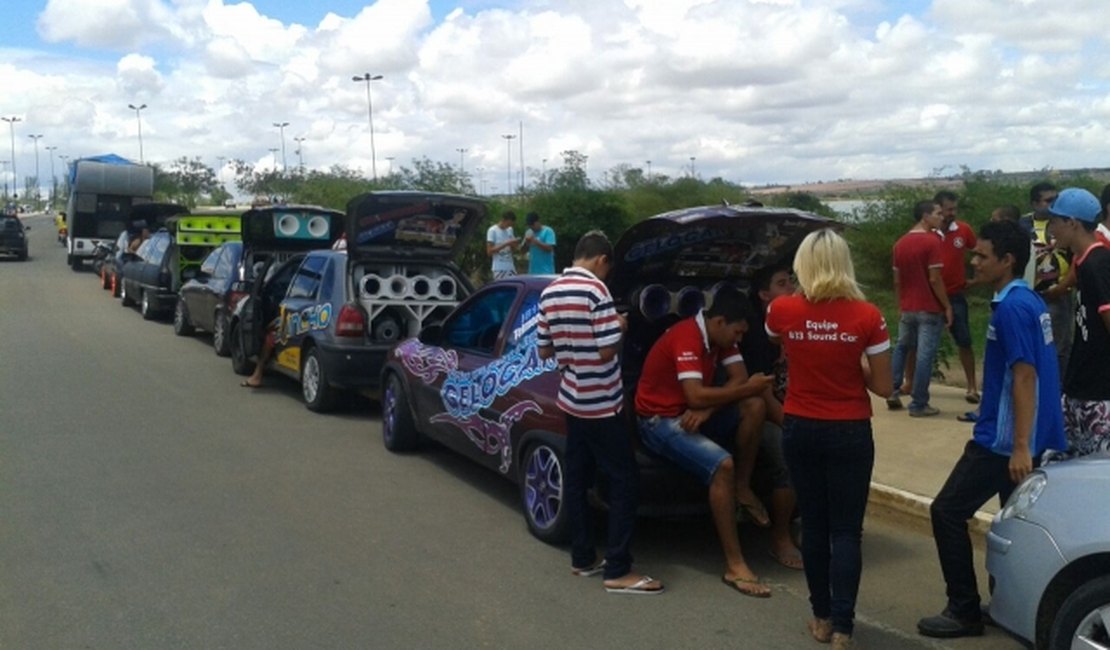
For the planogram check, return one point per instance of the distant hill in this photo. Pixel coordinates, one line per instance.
(854, 189)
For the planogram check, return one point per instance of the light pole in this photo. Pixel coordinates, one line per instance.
(36, 138)
(509, 137)
(5, 164)
(649, 171)
(481, 181)
(367, 77)
(692, 171)
(390, 159)
(461, 152)
(273, 156)
(300, 151)
(53, 177)
(139, 119)
(281, 127)
(11, 130)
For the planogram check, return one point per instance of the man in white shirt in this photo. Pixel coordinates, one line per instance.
(500, 244)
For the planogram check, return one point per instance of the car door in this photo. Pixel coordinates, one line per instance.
(199, 293)
(301, 313)
(263, 304)
(464, 410)
(153, 255)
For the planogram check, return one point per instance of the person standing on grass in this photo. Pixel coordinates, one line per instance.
(918, 258)
(1019, 419)
(1074, 220)
(539, 242)
(500, 244)
(837, 349)
(580, 328)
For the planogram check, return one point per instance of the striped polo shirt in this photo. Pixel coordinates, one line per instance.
(577, 317)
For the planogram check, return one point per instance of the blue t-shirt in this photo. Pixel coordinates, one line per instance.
(541, 262)
(1020, 330)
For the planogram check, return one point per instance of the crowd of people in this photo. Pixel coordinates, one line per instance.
(778, 381)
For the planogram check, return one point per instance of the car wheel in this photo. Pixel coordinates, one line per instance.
(104, 283)
(398, 429)
(124, 299)
(114, 285)
(318, 395)
(239, 361)
(75, 263)
(1082, 621)
(146, 308)
(541, 491)
(181, 324)
(219, 335)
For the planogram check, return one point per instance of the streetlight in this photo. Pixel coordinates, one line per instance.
(390, 159)
(139, 119)
(273, 155)
(281, 127)
(53, 177)
(461, 152)
(11, 129)
(481, 181)
(509, 161)
(36, 138)
(693, 173)
(367, 77)
(300, 151)
(5, 164)
(649, 170)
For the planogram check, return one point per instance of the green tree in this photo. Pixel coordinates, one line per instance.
(187, 181)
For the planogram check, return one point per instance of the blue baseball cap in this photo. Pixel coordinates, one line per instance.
(1076, 203)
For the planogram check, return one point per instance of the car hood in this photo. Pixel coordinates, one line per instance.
(411, 224)
(291, 227)
(705, 245)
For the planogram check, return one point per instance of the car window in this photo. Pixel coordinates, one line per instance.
(476, 326)
(12, 224)
(208, 266)
(523, 331)
(154, 249)
(225, 268)
(307, 281)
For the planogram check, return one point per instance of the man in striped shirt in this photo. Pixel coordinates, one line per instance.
(579, 326)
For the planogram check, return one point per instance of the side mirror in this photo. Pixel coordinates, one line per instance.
(431, 335)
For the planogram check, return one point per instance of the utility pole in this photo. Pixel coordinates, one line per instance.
(509, 137)
(139, 119)
(300, 151)
(11, 130)
(281, 127)
(461, 152)
(53, 177)
(367, 77)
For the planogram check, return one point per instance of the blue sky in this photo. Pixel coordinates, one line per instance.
(757, 91)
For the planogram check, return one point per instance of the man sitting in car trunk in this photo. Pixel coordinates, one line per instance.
(685, 418)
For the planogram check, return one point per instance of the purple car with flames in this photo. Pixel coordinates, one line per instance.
(476, 384)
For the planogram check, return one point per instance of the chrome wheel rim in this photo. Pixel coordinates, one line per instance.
(389, 409)
(543, 486)
(219, 332)
(1093, 632)
(311, 378)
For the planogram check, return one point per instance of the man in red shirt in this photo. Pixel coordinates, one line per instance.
(918, 259)
(959, 238)
(684, 417)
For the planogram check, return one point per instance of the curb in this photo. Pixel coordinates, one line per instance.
(903, 504)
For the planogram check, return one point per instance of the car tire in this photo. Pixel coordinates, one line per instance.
(240, 364)
(1083, 615)
(114, 285)
(318, 394)
(74, 262)
(399, 431)
(542, 473)
(182, 326)
(22, 257)
(146, 308)
(220, 339)
(104, 282)
(124, 299)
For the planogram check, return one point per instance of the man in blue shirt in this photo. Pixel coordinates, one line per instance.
(1020, 418)
(539, 241)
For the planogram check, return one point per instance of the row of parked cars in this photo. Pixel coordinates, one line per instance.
(391, 312)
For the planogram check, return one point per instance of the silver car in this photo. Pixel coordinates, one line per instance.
(1048, 554)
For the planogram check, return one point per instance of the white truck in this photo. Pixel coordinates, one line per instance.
(102, 192)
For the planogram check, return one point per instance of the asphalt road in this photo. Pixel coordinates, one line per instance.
(146, 501)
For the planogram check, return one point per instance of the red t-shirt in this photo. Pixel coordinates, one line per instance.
(823, 342)
(682, 352)
(914, 254)
(959, 238)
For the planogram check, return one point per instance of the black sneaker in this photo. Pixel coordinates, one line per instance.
(947, 626)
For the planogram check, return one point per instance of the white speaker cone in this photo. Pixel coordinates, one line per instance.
(288, 225)
(318, 227)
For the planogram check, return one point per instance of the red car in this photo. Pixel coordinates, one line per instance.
(476, 384)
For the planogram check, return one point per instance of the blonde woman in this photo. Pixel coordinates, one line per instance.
(837, 348)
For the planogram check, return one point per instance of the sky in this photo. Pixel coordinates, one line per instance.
(752, 91)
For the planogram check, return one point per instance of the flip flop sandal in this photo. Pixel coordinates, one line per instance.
(755, 513)
(791, 560)
(970, 416)
(972, 398)
(592, 570)
(639, 588)
(736, 583)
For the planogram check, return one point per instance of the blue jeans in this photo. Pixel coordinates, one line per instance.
(601, 443)
(830, 464)
(698, 452)
(921, 330)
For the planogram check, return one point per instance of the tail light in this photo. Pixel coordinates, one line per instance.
(351, 321)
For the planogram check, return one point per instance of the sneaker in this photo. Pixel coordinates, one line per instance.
(946, 626)
(894, 402)
(924, 412)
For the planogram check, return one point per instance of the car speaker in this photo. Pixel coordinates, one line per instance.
(318, 227)
(371, 285)
(296, 226)
(653, 300)
(446, 287)
(397, 286)
(420, 287)
(388, 327)
(688, 301)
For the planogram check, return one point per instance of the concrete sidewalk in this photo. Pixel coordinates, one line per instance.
(913, 457)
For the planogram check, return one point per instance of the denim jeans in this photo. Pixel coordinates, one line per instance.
(830, 464)
(978, 475)
(921, 330)
(605, 444)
